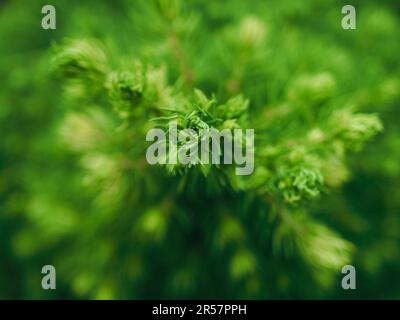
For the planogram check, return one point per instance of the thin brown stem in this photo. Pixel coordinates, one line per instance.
(182, 59)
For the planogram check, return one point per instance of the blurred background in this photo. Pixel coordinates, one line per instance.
(74, 193)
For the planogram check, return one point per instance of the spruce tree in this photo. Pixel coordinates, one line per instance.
(78, 193)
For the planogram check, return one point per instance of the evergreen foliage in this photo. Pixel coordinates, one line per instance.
(78, 193)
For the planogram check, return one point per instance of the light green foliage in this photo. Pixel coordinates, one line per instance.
(83, 62)
(77, 192)
(298, 183)
(126, 89)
